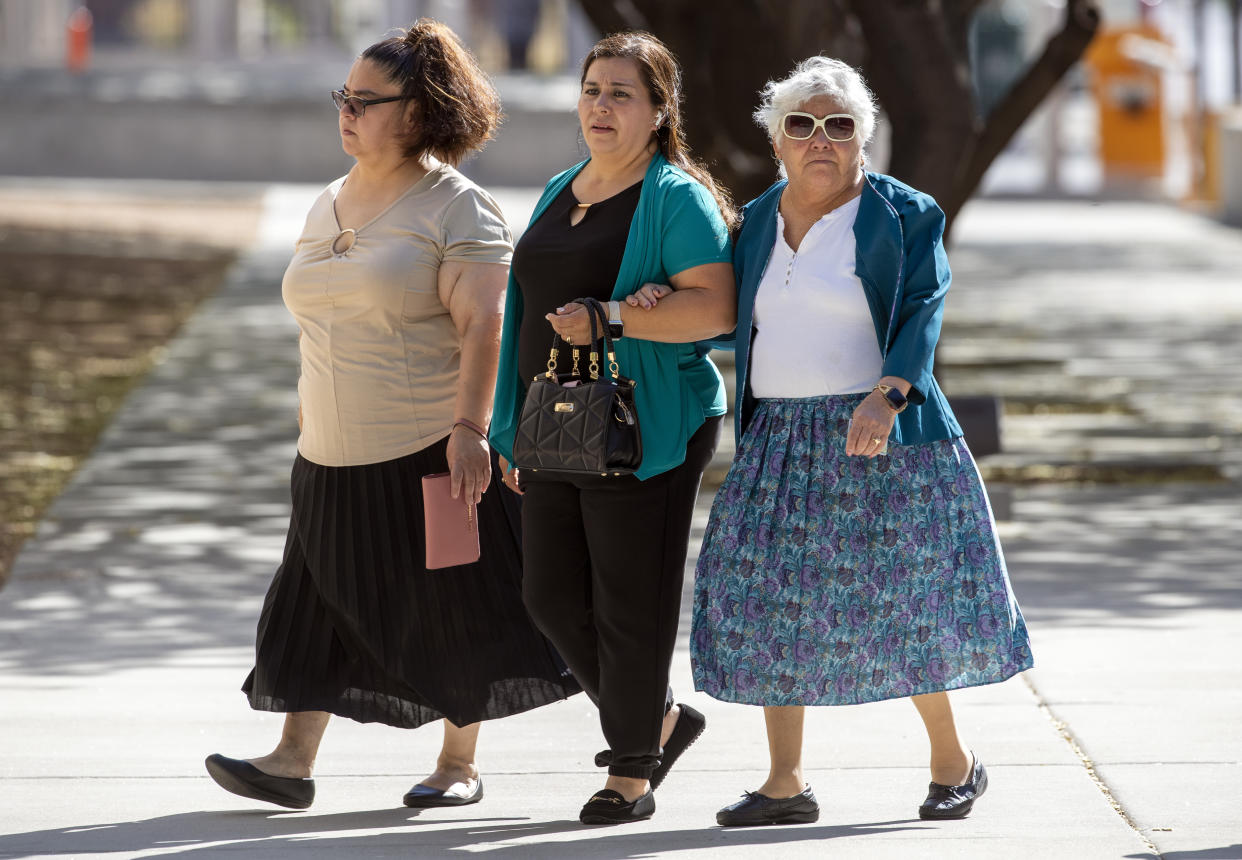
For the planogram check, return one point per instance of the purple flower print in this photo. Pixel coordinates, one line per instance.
(743, 680)
(809, 577)
(979, 661)
(877, 678)
(890, 537)
(792, 610)
(814, 503)
(752, 610)
(950, 642)
(858, 542)
(804, 651)
(845, 685)
(786, 683)
(937, 670)
(845, 577)
(924, 633)
(914, 674)
(891, 643)
(988, 625)
(976, 552)
(934, 599)
(856, 616)
(962, 483)
(969, 589)
(899, 502)
(841, 649)
(735, 640)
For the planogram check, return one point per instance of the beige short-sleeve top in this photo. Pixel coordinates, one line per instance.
(380, 353)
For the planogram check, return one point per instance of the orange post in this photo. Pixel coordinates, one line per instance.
(1126, 79)
(79, 33)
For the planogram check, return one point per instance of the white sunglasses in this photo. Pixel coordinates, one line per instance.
(799, 125)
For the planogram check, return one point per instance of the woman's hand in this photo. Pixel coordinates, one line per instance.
(648, 295)
(509, 476)
(470, 465)
(573, 323)
(870, 425)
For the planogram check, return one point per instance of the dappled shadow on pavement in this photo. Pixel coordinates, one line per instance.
(401, 832)
(167, 537)
(1126, 555)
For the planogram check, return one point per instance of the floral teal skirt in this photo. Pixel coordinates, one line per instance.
(833, 580)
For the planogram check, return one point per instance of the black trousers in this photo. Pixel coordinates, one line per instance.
(604, 563)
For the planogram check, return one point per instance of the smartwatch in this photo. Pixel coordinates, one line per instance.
(895, 399)
(616, 329)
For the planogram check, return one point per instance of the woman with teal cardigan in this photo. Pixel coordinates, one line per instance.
(604, 556)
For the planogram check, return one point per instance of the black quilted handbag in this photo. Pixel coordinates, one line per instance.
(575, 423)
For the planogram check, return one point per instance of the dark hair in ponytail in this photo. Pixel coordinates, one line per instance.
(458, 109)
(662, 78)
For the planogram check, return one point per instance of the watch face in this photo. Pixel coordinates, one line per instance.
(896, 398)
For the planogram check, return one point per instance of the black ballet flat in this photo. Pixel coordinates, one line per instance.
(244, 779)
(424, 796)
(755, 809)
(690, 724)
(610, 807)
(955, 801)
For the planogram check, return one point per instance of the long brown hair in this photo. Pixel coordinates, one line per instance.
(458, 108)
(662, 78)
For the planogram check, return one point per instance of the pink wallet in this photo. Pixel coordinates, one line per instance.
(450, 528)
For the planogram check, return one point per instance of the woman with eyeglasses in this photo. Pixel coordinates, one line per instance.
(397, 284)
(851, 555)
(605, 555)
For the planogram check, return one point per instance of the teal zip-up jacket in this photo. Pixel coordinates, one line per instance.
(676, 226)
(905, 274)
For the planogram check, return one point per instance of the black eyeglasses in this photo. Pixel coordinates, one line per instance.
(356, 106)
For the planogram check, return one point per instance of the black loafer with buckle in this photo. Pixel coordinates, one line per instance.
(610, 807)
(690, 724)
(955, 801)
(756, 809)
(244, 779)
(424, 796)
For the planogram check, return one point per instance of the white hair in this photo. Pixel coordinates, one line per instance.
(818, 76)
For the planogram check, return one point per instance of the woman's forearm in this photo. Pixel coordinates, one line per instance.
(689, 314)
(480, 359)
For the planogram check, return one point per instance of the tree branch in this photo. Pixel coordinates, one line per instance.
(1082, 19)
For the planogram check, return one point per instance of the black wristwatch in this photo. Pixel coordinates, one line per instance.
(896, 400)
(616, 329)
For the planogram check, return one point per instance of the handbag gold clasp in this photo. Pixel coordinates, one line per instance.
(563, 406)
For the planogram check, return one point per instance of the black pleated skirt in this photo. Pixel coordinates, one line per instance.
(355, 625)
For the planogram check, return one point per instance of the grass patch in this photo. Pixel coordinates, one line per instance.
(83, 317)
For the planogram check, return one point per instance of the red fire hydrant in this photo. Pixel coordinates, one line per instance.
(79, 33)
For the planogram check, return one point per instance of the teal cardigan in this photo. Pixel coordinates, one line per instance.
(676, 226)
(901, 262)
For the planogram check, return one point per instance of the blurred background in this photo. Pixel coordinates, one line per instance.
(235, 89)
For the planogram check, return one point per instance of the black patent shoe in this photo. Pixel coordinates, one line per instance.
(424, 796)
(756, 809)
(244, 779)
(955, 801)
(610, 807)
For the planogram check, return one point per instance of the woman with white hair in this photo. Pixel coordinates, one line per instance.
(851, 554)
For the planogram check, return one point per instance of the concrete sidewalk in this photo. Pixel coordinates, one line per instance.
(129, 626)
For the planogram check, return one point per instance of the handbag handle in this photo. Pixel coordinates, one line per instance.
(595, 312)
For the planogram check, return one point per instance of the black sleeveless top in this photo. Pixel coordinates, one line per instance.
(555, 263)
